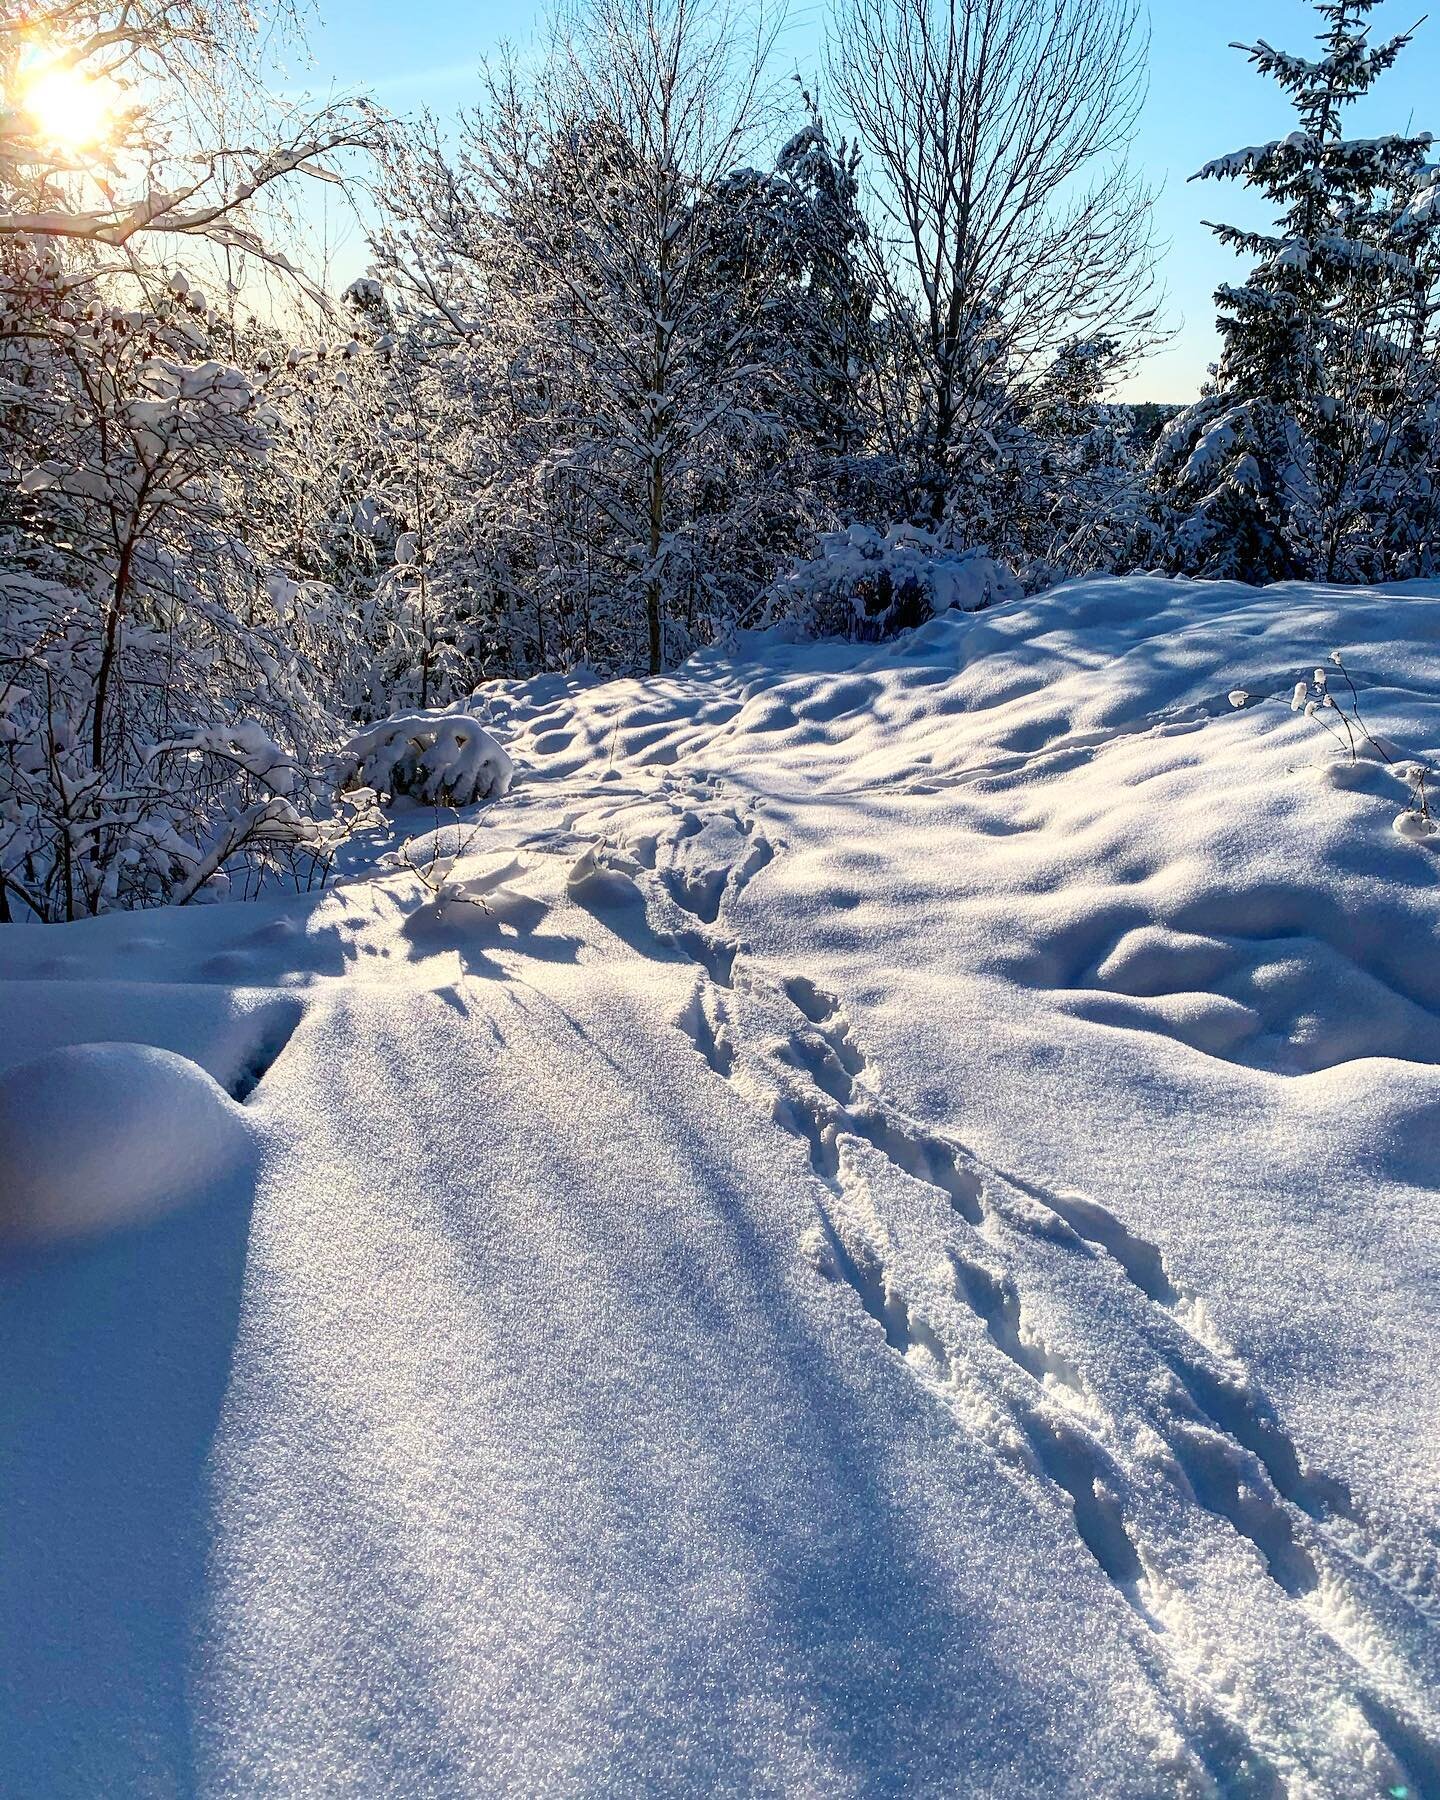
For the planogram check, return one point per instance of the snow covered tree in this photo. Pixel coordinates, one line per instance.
(363, 497)
(1075, 494)
(658, 341)
(154, 718)
(159, 726)
(121, 123)
(1409, 528)
(1291, 462)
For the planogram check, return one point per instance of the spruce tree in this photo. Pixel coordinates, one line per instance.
(1288, 465)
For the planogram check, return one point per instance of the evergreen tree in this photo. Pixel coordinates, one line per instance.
(1288, 465)
(1411, 527)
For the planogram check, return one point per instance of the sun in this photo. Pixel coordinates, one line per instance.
(69, 109)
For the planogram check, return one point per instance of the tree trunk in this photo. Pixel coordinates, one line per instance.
(113, 618)
(652, 586)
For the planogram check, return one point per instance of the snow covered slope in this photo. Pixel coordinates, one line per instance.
(869, 1227)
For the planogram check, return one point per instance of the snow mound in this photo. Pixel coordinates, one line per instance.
(443, 758)
(97, 1136)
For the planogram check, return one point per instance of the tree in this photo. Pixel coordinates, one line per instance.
(1410, 524)
(1079, 500)
(154, 718)
(1289, 466)
(91, 148)
(655, 338)
(1003, 230)
(363, 496)
(157, 721)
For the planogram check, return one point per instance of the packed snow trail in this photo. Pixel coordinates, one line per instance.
(876, 1234)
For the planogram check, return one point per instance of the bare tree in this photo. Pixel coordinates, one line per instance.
(1008, 224)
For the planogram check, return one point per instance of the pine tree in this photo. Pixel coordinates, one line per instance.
(1288, 464)
(1411, 529)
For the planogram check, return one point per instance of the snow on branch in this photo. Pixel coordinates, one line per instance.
(185, 210)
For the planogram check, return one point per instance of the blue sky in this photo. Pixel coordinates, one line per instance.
(1203, 100)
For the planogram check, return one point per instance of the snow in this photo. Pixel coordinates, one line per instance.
(868, 1225)
(443, 757)
(248, 745)
(93, 1136)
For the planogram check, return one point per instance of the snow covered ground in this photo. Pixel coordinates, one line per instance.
(878, 1233)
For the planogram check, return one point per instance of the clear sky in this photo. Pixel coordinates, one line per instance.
(1203, 100)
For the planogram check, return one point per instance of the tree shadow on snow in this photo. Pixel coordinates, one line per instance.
(717, 1490)
(477, 930)
(115, 1356)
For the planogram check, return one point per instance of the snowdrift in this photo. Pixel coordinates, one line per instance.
(104, 1135)
(868, 1167)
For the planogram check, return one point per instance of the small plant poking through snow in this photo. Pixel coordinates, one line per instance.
(1343, 720)
(1415, 821)
(434, 857)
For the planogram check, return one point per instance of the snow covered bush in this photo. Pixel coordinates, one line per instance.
(154, 707)
(442, 758)
(94, 1137)
(188, 793)
(862, 584)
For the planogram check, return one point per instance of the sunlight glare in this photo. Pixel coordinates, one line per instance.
(70, 109)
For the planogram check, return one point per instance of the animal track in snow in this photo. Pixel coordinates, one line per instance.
(1226, 1404)
(701, 886)
(1215, 1445)
(994, 1299)
(705, 1023)
(1231, 1458)
(823, 1050)
(1222, 1483)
